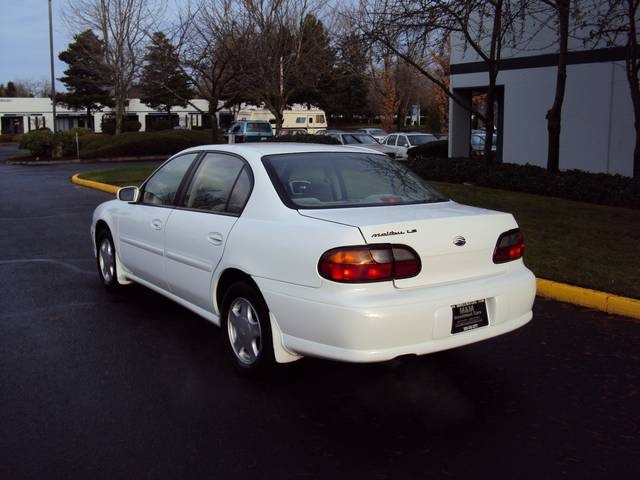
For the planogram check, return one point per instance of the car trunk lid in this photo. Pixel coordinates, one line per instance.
(455, 242)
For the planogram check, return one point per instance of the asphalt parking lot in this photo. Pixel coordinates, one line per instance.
(95, 386)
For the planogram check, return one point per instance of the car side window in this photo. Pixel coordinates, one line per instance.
(240, 193)
(402, 141)
(236, 128)
(161, 188)
(212, 182)
(391, 140)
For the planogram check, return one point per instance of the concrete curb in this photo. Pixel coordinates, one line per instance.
(562, 292)
(104, 187)
(585, 297)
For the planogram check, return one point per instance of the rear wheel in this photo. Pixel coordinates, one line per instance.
(106, 261)
(247, 328)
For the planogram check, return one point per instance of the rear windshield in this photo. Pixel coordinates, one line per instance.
(261, 127)
(358, 139)
(345, 179)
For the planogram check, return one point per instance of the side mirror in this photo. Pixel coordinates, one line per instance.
(128, 194)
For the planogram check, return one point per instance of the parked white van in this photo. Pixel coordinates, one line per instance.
(294, 120)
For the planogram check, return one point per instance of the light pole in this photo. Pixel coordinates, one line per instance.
(53, 79)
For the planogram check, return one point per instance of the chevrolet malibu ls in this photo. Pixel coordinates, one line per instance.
(327, 251)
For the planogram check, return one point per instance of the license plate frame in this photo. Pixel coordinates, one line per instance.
(469, 316)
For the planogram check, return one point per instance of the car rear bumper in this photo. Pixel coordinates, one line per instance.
(379, 322)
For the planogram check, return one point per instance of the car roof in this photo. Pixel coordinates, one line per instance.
(346, 132)
(272, 148)
(252, 121)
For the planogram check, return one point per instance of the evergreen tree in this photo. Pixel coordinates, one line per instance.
(163, 83)
(314, 78)
(86, 76)
(349, 91)
(11, 90)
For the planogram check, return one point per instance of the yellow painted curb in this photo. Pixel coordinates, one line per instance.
(603, 301)
(105, 187)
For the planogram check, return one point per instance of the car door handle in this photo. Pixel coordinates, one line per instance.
(156, 223)
(215, 238)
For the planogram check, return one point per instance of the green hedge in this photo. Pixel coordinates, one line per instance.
(10, 137)
(599, 188)
(305, 138)
(39, 142)
(438, 149)
(108, 125)
(138, 144)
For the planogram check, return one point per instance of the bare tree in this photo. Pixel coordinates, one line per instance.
(484, 26)
(210, 39)
(276, 60)
(615, 22)
(123, 26)
(556, 15)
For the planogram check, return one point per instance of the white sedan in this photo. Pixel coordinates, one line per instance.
(320, 250)
(402, 142)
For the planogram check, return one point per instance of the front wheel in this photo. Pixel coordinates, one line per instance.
(247, 328)
(106, 260)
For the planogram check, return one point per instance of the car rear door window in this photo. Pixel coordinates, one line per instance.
(161, 188)
(402, 141)
(241, 191)
(213, 182)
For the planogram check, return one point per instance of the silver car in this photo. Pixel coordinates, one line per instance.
(402, 142)
(360, 140)
(377, 133)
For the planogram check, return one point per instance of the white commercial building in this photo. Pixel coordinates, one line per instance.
(21, 115)
(597, 133)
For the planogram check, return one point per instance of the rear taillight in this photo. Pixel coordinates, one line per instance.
(510, 246)
(369, 263)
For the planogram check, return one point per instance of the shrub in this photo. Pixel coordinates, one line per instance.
(437, 149)
(159, 125)
(131, 126)
(137, 144)
(39, 142)
(600, 188)
(81, 131)
(305, 138)
(108, 125)
(10, 137)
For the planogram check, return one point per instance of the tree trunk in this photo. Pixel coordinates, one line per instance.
(119, 113)
(489, 115)
(215, 130)
(554, 115)
(632, 66)
(494, 67)
(279, 121)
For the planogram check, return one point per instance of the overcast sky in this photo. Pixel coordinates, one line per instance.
(24, 40)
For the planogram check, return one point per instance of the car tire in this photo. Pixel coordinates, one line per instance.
(247, 329)
(106, 262)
